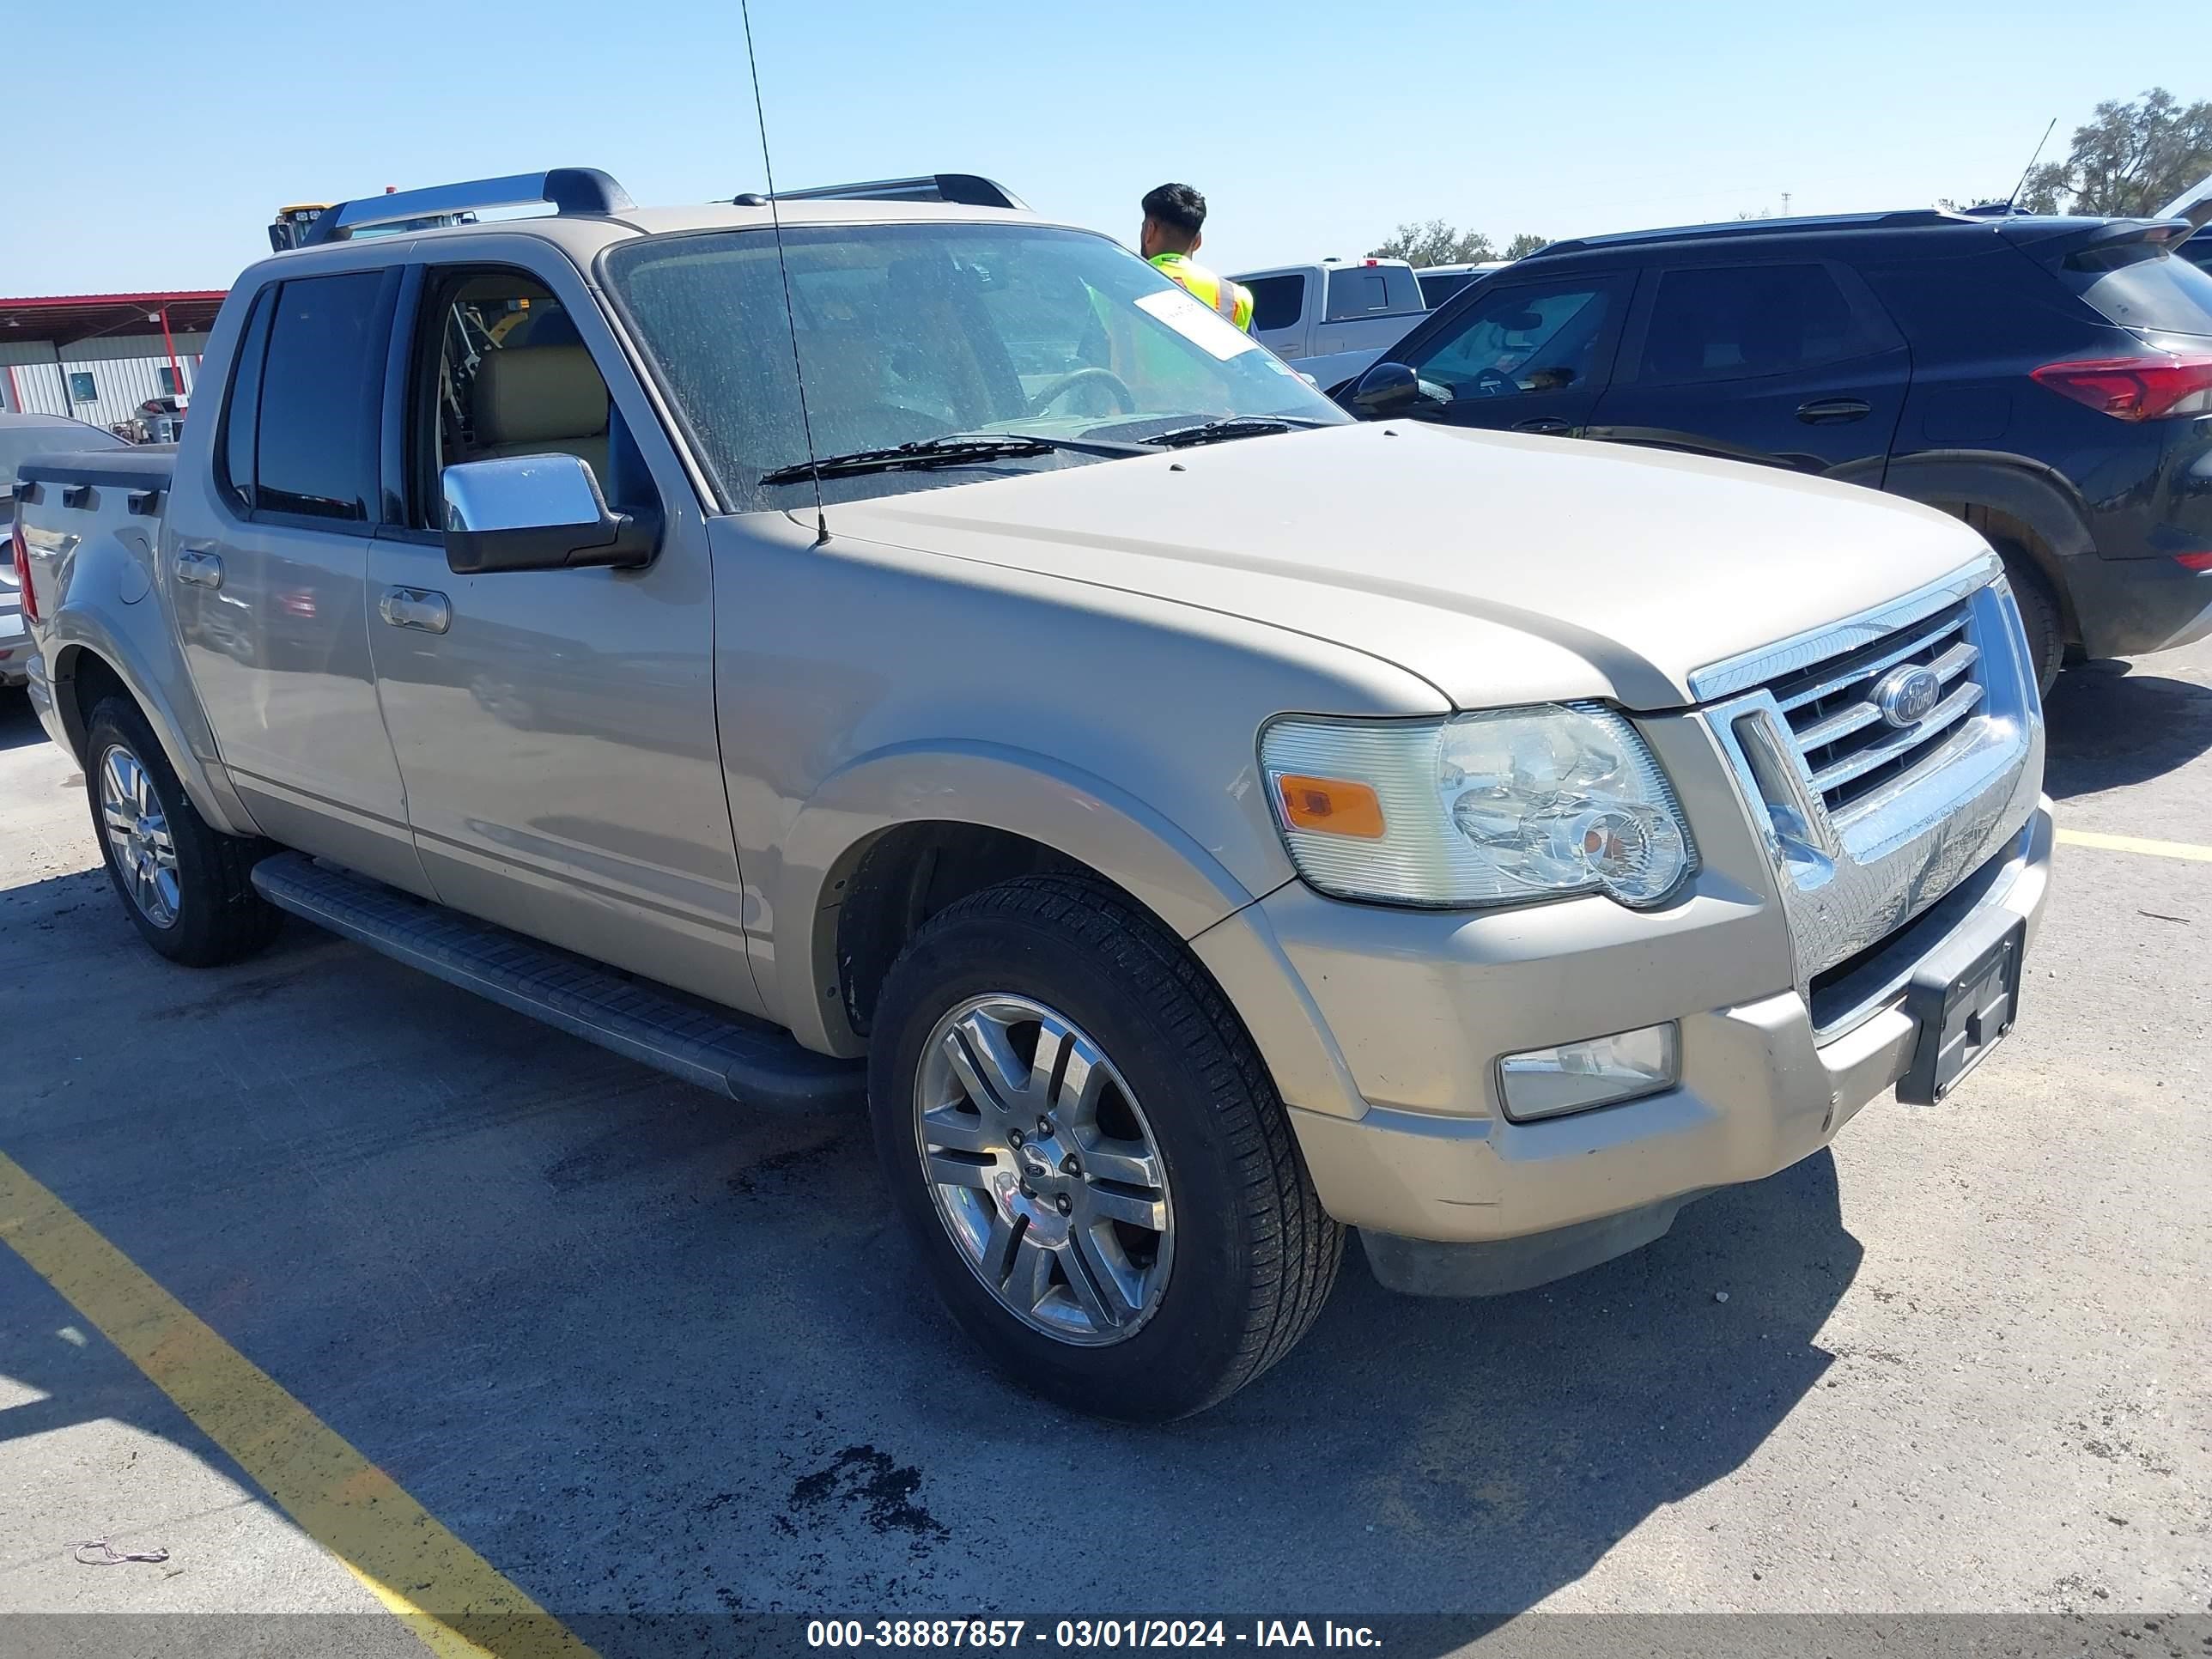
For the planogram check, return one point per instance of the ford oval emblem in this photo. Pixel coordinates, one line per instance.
(1906, 696)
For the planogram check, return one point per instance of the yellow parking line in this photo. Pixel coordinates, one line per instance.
(454, 1600)
(2157, 849)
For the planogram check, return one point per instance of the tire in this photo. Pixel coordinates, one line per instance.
(2039, 615)
(1247, 1255)
(208, 912)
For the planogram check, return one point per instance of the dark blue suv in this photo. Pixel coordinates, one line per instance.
(2047, 379)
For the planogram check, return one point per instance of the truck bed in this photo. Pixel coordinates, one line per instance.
(85, 503)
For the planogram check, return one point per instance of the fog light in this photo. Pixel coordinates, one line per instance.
(1596, 1071)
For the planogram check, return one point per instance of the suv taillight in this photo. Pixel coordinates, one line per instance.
(20, 550)
(2134, 388)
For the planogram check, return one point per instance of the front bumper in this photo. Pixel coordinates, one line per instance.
(2126, 607)
(1444, 1166)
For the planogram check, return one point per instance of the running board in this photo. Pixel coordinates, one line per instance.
(749, 1061)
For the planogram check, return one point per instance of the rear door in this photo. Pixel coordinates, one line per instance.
(1785, 362)
(1524, 356)
(266, 558)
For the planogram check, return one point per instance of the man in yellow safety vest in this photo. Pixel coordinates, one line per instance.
(1174, 216)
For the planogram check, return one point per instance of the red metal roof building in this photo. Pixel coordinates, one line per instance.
(100, 356)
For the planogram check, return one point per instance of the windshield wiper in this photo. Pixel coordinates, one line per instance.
(1078, 445)
(1233, 426)
(956, 449)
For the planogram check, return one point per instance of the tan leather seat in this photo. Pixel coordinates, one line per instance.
(541, 400)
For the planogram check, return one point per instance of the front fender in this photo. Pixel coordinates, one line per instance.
(1081, 815)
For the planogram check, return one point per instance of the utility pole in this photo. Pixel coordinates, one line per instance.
(1785, 204)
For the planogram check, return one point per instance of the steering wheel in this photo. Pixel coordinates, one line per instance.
(1092, 375)
(1493, 379)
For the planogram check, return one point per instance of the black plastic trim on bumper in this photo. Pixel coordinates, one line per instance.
(1420, 1267)
(2126, 607)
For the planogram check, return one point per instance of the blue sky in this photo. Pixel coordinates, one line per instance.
(146, 144)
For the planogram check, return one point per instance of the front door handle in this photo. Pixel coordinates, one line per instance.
(417, 607)
(1834, 412)
(199, 567)
(1551, 423)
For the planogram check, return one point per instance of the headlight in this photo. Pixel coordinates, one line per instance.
(1481, 809)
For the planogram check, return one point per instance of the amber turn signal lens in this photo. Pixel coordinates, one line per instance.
(1330, 806)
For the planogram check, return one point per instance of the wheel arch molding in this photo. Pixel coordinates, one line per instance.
(1036, 811)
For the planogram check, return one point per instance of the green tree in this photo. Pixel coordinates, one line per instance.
(1435, 243)
(1523, 244)
(2129, 160)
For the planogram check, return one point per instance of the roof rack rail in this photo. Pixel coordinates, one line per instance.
(569, 189)
(1896, 219)
(965, 189)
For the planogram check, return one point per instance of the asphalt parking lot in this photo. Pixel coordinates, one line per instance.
(636, 1351)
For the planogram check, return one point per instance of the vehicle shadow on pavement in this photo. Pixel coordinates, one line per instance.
(2109, 725)
(652, 1353)
(19, 725)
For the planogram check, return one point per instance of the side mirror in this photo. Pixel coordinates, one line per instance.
(538, 512)
(1386, 390)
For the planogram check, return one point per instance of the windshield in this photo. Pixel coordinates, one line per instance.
(912, 332)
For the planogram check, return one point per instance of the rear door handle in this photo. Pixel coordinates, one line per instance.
(1834, 412)
(199, 567)
(417, 607)
(1551, 423)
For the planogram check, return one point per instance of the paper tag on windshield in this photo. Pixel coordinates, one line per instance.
(1201, 326)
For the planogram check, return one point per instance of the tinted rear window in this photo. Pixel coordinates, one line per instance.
(1434, 290)
(316, 435)
(2140, 285)
(1370, 291)
(1277, 302)
(1738, 322)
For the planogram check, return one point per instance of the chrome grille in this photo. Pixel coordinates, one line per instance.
(1849, 748)
(1867, 824)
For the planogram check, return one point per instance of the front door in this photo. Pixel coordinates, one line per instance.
(1790, 364)
(266, 558)
(1530, 357)
(555, 729)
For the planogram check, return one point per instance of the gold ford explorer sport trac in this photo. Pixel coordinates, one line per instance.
(990, 686)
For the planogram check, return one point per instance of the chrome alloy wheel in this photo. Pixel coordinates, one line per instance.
(1044, 1169)
(138, 838)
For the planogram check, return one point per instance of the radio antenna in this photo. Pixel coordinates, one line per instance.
(2016, 189)
(790, 314)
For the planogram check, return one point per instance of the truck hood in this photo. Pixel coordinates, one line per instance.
(1500, 568)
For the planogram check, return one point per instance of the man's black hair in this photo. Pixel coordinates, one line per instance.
(1178, 205)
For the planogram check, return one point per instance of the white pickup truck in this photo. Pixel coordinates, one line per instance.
(1197, 822)
(1306, 312)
